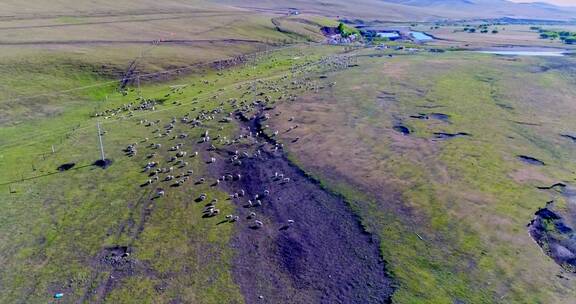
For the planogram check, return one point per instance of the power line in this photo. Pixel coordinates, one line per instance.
(168, 108)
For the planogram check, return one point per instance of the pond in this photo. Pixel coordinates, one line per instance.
(526, 51)
(420, 36)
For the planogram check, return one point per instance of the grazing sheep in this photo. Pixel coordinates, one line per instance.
(258, 223)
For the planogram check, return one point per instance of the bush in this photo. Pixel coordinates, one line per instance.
(549, 35)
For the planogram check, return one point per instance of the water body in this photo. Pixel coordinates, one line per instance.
(526, 51)
(420, 36)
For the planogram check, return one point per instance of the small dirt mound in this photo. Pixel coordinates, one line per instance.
(118, 257)
(531, 160)
(66, 167)
(103, 163)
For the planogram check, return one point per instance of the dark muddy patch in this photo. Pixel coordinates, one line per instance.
(443, 135)
(117, 263)
(421, 116)
(66, 167)
(569, 136)
(402, 129)
(436, 116)
(505, 106)
(524, 123)
(440, 116)
(311, 248)
(103, 163)
(556, 186)
(555, 236)
(530, 160)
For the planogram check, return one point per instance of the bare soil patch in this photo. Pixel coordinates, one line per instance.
(311, 248)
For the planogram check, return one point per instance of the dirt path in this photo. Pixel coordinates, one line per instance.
(324, 256)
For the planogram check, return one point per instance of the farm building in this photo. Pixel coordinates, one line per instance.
(391, 35)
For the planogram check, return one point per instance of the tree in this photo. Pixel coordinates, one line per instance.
(341, 28)
(494, 31)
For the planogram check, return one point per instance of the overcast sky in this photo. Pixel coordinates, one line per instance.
(557, 2)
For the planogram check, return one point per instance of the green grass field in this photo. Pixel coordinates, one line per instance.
(56, 223)
(451, 214)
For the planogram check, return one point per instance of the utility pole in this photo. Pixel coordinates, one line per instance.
(100, 140)
(138, 82)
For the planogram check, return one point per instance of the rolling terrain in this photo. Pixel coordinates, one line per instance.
(223, 152)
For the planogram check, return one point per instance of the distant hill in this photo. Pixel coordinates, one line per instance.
(417, 10)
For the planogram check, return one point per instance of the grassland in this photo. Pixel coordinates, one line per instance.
(452, 213)
(67, 46)
(57, 224)
(508, 35)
